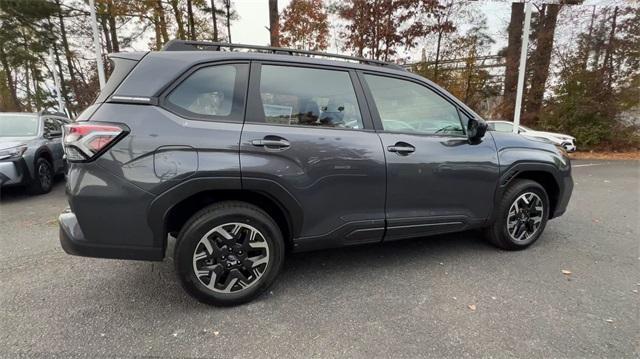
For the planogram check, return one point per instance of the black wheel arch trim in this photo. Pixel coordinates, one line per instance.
(161, 206)
(515, 169)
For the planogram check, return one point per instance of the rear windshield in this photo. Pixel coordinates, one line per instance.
(12, 125)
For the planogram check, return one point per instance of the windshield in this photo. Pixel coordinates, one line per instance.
(12, 125)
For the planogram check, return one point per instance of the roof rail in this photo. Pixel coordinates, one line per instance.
(187, 45)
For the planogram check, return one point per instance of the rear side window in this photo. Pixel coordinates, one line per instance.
(214, 92)
(309, 97)
(405, 106)
(121, 68)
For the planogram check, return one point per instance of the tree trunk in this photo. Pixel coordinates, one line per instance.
(178, 15)
(27, 87)
(215, 20)
(159, 12)
(15, 104)
(156, 23)
(227, 4)
(435, 65)
(608, 63)
(587, 45)
(67, 51)
(541, 61)
(192, 26)
(512, 60)
(274, 23)
(113, 31)
(105, 32)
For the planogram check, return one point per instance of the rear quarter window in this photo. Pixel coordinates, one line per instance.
(121, 68)
(210, 93)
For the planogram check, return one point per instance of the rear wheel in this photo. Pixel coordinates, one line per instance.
(520, 216)
(42, 180)
(229, 253)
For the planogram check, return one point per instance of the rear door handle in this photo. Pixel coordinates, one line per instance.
(401, 148)
(271, 143)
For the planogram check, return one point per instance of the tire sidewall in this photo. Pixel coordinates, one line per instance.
(193, 231)
(37, 186)
(511, 196)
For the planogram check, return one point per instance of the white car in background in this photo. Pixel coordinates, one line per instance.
(559, 139)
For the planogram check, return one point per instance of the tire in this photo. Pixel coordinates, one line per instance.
(42, 180)
(507, 227)
(224, 259)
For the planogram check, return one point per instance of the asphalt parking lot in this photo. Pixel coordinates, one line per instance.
(444, 296)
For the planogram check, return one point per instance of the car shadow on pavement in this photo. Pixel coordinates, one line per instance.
(311, 271)
(20, 193)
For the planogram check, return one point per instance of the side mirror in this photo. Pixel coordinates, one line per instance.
(54, 134)
(476, 129)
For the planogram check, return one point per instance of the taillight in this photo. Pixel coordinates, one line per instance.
(83, 141)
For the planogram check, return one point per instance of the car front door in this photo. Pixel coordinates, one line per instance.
(309, 141)
(437, 179)
(53, 135)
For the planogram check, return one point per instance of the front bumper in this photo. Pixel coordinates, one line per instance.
(14, 172)
(73, 242)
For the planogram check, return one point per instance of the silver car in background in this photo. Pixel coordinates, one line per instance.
(31, 151)
(565, 141)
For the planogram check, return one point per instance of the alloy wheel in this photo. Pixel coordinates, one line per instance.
(44, 175)
(231, 257)
(525, 217)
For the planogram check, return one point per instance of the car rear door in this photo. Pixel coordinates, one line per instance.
(437, 180)
(308, 140)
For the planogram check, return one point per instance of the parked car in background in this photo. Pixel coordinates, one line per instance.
(565, 141)
(243, 157)
(31, 151)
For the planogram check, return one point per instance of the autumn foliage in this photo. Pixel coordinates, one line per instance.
(304, 25)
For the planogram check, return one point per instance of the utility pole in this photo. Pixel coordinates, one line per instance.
(96, 43)
(522, 68)
(56, 81)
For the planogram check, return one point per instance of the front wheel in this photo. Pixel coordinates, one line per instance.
(520, 216)
(42, 181)
(229, 253)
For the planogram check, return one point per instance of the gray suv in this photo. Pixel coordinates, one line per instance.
(31, 149)
(245, 156)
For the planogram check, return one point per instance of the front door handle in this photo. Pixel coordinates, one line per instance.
(271, 143)
(401, 148)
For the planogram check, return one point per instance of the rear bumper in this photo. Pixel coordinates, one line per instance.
(73, 242)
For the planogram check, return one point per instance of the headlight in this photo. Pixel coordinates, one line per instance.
(13, 152)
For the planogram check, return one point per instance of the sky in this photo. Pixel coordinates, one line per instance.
(251, 28)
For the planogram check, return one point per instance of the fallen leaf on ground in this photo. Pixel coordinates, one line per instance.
(566, 272)
(472, 306)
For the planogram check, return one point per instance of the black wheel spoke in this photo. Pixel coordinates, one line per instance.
(525, 216)
(231, 257)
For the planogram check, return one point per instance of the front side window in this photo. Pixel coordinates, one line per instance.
(309, 97)
(207, 92)
(405, 106)
(52, 127)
